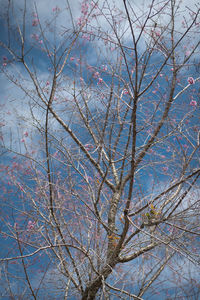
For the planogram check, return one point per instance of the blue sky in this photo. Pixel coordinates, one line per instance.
(23, 120)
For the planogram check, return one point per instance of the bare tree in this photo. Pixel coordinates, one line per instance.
(104, 150)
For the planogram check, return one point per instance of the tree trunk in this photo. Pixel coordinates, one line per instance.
(92, 289)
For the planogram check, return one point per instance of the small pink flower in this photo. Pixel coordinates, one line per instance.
(125, 91)
(100, 81)
(35, 22)
(165, 169)
(35, 36)
(104, 68)
(193, 103)
(26, 133)
(56, 9)
(168, 149)
(4, 64)
(191, 80)
(4, 58)
(41, 42)
(47, 83)
(157, 33)
(30, 225)
(187, 53)
(88, 147)
(96, 75)
(72, 58)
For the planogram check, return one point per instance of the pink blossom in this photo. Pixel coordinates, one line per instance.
(35, 22)
(105, 68)
(47, 83)
(84, 8)
(100, 81)
(165, 169)
(187, 53)
(125, 92)
(4, 64)
(41, 42)
(191, 80)
(31, 225)
(26, 133)
(4, 58)
(72, 58)
(96, 75)
(80, 21)
(86, 37)
(88, 147)
(168, 149)
(56, 9)
(35, 36)
(193, 103)
(157, 33)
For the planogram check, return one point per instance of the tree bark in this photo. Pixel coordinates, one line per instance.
(92, 289)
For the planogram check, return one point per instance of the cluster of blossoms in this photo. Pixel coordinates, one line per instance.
(84, 12)
(104, 68)
(192, 81)
(35, 23)
(125, 92)
(56, 9)
(165, 169)
(25, 135)
(31, 225)
(89, 147)
(100, 81)
(193, 103)
(84, 8)
(96, 75)
(5, 61)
